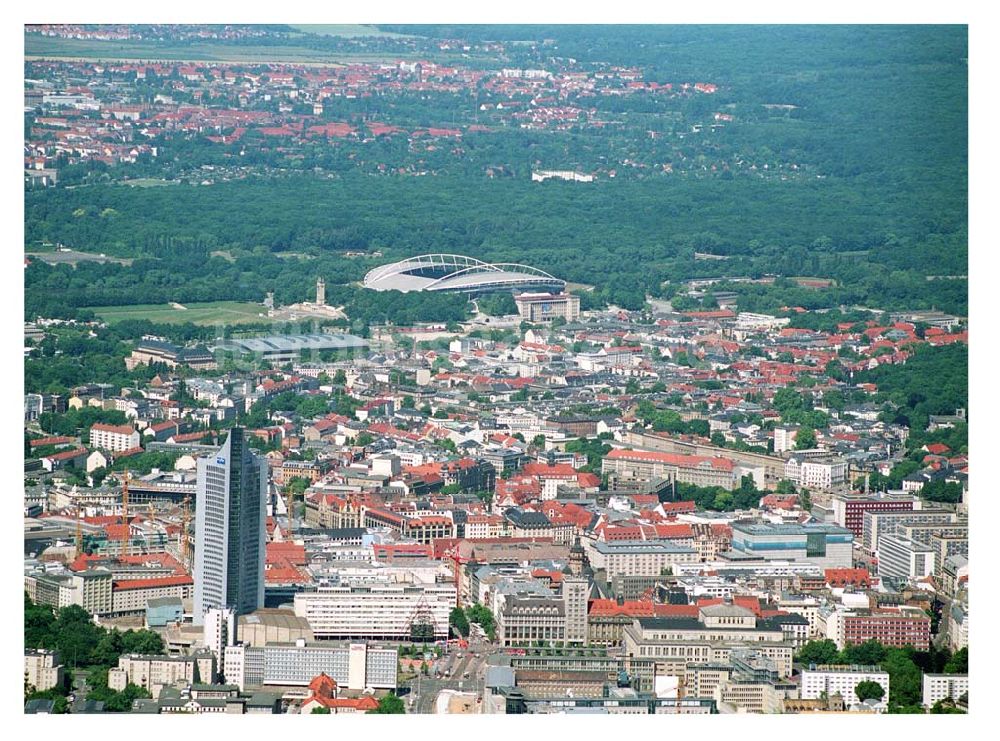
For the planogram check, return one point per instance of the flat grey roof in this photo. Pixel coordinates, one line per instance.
(295, 342)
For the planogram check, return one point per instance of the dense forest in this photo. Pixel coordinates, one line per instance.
(867, 126)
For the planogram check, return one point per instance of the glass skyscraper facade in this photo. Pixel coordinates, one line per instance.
(229, 529)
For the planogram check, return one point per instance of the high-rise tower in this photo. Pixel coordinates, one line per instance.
(320, 292)
(229, 529)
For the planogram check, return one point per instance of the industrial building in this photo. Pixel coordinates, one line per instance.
(289, 347)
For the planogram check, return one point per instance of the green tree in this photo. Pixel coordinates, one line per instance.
(869, 653)
(818, 652)
(458, 621)
(39, 625)
(785, 486)
(482, 615)
(76, 636)
(321, 711)
(946, 706)
(905, 679)
(869, 690)
(805, 438)
(142, 642)
(958, 663)
(389, 705)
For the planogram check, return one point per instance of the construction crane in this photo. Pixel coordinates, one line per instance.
(125, 547)
(289, 505)
(185, 524)
(79, 531)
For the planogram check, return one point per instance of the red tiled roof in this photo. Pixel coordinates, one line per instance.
(675, 459)
(284, 575)
(65, 455)
(163, 581)
(543, 470)
(118, 429)
(750, 603)
(38, 442)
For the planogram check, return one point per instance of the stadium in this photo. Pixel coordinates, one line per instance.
(459, 274)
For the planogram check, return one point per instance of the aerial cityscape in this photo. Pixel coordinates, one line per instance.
(496, 369)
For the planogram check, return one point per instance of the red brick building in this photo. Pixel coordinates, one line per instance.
(889, 629)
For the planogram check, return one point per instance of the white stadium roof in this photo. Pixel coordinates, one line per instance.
(457, 273)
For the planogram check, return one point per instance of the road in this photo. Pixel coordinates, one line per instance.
(424, 691)
(80, 690)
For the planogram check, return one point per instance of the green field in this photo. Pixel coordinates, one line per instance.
(44, 47)
(215, 312)
(344, 29)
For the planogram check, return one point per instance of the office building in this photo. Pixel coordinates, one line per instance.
(229, 529)
(826, 546)
(544, 307)
(905, 627)
(378, 610)
(637, 557)
(816, 473)
(354, 666)
(849, 509)
(903, 558)
(672, 643)
(831, 679)
(876, 524)
(646, 465)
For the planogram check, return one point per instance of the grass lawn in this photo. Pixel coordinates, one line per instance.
(344, 29)
(43, 47)
(221, 312)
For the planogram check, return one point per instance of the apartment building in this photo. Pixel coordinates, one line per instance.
(116, 438)
(42, 669)
(937, 687)
(153, 672)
